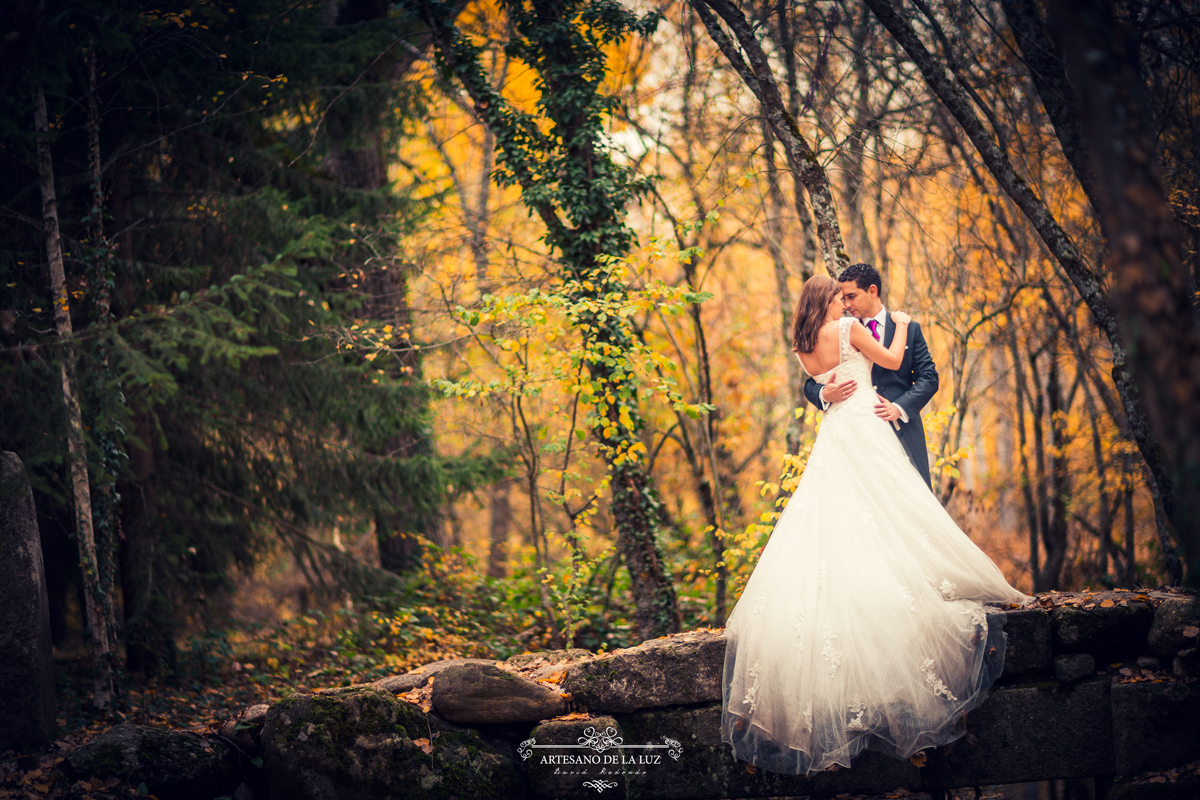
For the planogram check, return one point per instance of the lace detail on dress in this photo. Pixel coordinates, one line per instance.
(908, 596)
(857, 708)
(799, 630)
(935, 683)
(948, 589)
(752, 692)
(760, 604)
(977, 615)
(821, 575)
(923, 538)
(869, 521)
(808, 719)
(834, 657)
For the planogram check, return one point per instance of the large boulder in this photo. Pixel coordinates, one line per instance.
(1108, 634)
(365, 744)
(27, 708)
(1176, 626)
(483, 694)
(173, 764)
(682, 669)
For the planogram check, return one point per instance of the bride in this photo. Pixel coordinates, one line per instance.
(863, 625)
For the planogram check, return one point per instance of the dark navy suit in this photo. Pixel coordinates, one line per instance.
(910, 387)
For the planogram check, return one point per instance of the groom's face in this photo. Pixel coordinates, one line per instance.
(862, 303)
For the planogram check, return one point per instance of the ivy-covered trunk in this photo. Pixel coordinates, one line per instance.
(570, 181)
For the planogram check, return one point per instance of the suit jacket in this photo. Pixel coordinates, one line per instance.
(911, 387)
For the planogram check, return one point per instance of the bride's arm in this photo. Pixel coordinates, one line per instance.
(886, 357)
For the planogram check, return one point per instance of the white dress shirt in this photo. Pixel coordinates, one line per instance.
(881, 318)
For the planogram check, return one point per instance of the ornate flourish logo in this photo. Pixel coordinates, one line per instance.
(600, 741)
(675, 749)
(600, 785)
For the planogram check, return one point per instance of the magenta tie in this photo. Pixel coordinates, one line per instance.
(874, 326)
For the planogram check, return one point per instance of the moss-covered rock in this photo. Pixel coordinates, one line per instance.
(363, 743)
(682, 669)
(1176, 626)
(174, 764)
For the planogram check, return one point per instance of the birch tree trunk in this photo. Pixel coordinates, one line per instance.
(102, 687)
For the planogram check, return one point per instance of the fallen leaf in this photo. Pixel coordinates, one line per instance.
(919, 759)
(1159, 779)
(554, 677)
(1126, 671)
(1191, 632)
(1107, 604)
(416, 671)
(575, 715)
(751, 769)
(425, 745)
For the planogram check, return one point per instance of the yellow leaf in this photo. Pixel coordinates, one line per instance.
(919, 759)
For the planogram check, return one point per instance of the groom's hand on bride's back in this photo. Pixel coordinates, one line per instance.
(837, 392)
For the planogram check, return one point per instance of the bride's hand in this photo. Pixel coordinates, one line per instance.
(900, 318)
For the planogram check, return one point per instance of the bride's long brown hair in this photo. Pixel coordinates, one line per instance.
(814, 300)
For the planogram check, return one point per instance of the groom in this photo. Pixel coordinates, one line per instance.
(903, 392)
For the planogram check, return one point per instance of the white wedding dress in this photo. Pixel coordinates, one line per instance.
(863, 624)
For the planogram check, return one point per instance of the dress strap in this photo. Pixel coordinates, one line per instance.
(844, 349)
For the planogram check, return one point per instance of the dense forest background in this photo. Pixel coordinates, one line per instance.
(341, 336)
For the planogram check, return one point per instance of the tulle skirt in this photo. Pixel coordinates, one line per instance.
(862, 626)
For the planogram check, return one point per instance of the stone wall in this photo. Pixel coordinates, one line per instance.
(1095, 685)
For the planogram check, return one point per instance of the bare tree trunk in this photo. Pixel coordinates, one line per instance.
(102, 656)
(1056, 532)
(1130, 577)
(1038, 407)
(1152, 289)
(854, 153)
(501, 519)
(1031, 519)
(801, 160)
(774, 240)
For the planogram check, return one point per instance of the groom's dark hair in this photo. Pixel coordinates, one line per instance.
(863, 275)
